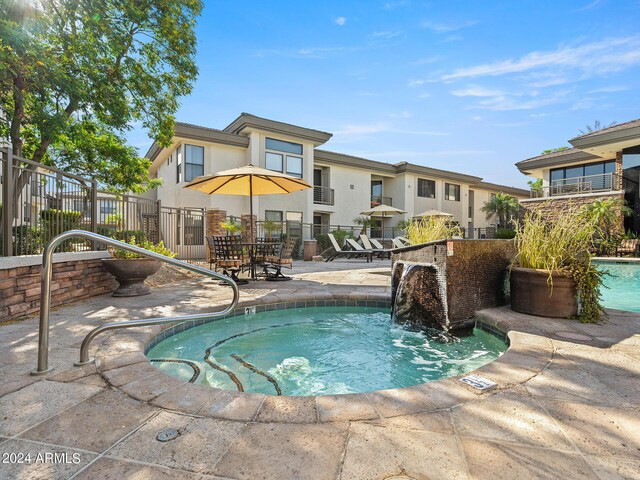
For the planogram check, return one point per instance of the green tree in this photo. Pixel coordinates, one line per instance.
(554, 150)
(502, 205)
(535, 185)
(607, 215)
(76, 74)
(365, 222)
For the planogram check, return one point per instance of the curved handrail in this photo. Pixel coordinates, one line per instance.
(45, 296)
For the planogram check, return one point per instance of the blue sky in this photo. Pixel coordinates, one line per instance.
(468, 86)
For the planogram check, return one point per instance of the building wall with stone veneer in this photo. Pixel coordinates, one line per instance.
(475, 274)
(550, 207)
(72, 280)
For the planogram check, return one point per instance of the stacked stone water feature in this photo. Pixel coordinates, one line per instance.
(442, 284)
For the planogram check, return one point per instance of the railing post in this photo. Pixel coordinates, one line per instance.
(158, 216)
(7, 203)
(94, 211)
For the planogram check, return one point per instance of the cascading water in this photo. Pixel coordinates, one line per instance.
(419, 295)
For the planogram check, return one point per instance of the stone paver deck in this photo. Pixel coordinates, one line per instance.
(567, 403)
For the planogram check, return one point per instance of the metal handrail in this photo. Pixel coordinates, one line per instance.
(45, 297)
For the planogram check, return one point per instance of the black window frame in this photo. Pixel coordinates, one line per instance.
(187, 163)
(456, 196)
(604, 163)
(286, 166)
(281, 146)
(179, 164)
(430, 183)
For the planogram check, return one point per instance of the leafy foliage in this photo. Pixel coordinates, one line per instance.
(78, 73)
(503, 205)
(554, 150)
(607, 215)
(365, 222)
(563, 245)
(231, 226)
(596, 126)
(505, 233)
(535, 185)
(153, 247)
(431, 229)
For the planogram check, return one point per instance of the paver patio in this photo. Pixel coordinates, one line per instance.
(567, 403)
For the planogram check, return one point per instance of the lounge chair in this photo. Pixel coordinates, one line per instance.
(348, 253)
(400, 242)
(628, 247)
(375, 246)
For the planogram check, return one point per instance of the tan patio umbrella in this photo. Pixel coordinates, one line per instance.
(433, 213)
(248, 181)
(383, 211)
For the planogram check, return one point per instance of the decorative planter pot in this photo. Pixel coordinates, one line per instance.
(131, 274)
(532, 294)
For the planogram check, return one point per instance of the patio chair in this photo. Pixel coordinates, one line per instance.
(400, 242)
(339, 252)
(628, 247)
(230, 256)
(375, 246)
(212, 254)
(283, 259)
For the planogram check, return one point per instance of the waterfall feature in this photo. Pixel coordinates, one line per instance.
(419, 295)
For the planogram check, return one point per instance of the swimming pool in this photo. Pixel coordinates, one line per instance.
(317, 351)
(623, 292)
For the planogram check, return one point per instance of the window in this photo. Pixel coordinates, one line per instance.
(282, 146)
(452, 192)
(108, 207)
(276, 161)
(273, 161)
(294, 166)
(179, 164)
(273, 215)
(597, 171)
(426, 188)
(193, 162)
(376, 188)
(294, 223)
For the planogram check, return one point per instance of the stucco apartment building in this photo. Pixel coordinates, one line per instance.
(344, 185)
(601, 164)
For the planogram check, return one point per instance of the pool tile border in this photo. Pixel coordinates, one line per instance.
(241, 406)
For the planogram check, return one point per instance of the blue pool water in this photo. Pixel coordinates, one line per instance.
(318, 351)
(623, 284)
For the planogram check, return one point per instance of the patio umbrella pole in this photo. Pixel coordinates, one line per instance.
(251, 210)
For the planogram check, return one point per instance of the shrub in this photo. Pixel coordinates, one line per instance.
(505, 233)
(156, 248)
(563, 245)
(431, 229)
(27, 240)
(54, 222)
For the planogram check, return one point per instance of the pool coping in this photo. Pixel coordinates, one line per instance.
(122, 362)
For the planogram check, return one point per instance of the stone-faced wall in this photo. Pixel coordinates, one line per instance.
(213, 226)
(72, 280)
(550, 207)
(475, 272)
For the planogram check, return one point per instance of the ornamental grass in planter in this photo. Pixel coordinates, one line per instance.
(131, 269)
(552, 274)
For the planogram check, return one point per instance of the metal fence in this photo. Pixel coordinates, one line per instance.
(40, 202)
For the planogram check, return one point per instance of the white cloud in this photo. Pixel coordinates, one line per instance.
(447, 27)
(610, 89)
(340, 21)
(477, 91)
(416, 83)
(387, 34)
(426, 61)
(608, 55)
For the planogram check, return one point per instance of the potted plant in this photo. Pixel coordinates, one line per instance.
(552, 274)
(131, 269)
(231, 227)
(271, 226)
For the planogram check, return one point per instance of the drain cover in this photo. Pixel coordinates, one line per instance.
(479, 383)
(167, 435)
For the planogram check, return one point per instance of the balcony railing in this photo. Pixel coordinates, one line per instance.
(378, 199)
(323, 195)
(603, 182)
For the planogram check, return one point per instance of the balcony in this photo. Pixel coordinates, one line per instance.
(604, 182)
(323, 195)
(378, 200)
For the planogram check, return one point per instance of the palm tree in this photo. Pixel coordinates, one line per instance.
(607, 213)
(365, 222)
(596, 126)
(503, 205)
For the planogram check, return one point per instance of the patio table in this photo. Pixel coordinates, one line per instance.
(252, 250)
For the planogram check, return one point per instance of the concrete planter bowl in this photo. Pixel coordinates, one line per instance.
(531, 293)
(131, 274)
